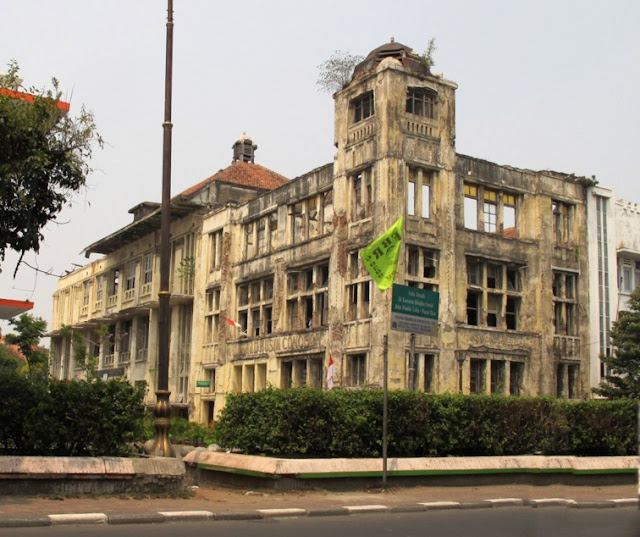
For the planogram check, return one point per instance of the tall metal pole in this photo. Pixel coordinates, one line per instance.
(385, 393)
(162, 411)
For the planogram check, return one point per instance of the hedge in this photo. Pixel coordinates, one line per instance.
(43, 416)
(306, 422)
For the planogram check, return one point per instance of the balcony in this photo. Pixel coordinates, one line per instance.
(84, 311)
(146, 289)
(124, 358)
(566, 346)
(112, 301)
(129, 294)
(109, 360)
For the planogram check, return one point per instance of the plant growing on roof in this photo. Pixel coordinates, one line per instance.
(335, 73)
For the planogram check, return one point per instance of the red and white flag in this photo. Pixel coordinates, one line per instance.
(330, 371)
(237, 325)
(233, 323)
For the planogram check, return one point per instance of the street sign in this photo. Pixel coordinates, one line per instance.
(414, 310)
(203, 384)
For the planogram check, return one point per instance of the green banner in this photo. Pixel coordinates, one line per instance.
(381, 256)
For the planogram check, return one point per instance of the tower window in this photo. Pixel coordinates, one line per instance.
(363, 107)
(421, 102)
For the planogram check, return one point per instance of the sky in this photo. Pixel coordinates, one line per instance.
(541, 85)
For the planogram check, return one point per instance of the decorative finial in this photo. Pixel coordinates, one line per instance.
(392, 40)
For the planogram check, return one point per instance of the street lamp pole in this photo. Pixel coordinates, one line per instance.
(162, 411)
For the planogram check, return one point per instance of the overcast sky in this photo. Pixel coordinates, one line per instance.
(542, 85)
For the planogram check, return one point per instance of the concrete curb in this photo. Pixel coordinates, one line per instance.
(73, 519)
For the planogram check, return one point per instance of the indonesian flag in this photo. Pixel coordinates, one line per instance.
(233, 323)
(330, 371)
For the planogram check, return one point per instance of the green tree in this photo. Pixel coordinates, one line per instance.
(44, 155)
(623, 380)
(8, 360)
(29, 332)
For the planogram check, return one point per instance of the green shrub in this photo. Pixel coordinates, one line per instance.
(305, 422)
(42, 416)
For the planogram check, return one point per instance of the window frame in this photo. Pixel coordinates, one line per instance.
(422, 101)
(363, 106)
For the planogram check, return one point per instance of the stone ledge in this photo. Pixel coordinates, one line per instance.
(234, 470)
(270, 466)
(90, 475)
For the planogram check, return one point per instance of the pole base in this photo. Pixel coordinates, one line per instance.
(162, 411)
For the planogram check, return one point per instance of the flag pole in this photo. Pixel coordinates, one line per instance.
(385, 392)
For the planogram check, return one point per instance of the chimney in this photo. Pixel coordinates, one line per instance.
(244, 149)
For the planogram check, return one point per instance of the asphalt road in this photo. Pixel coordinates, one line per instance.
(502, 522)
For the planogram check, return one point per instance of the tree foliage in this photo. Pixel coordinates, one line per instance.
(29, 332)
(335, 73)
(623, 380)
(44, 159)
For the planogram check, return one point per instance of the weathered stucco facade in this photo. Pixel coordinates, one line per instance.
(267, 280)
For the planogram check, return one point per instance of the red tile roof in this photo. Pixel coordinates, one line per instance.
(243, 173)
(31, 98)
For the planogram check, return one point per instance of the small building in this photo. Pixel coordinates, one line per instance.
(267, 281)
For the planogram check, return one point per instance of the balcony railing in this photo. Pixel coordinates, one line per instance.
(109, 360)
(141, 355)
(124, 358)
(112, 300)
(146, 289)
(566, 346)
(84, 310)
(129, 294)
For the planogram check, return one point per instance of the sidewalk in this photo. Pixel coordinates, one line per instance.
(220, 503)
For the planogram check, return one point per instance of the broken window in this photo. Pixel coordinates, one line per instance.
(473, 307)
(509, 215)
(212, 315)
(470, 206)
(498, 375)
(363, 106)
(568, 380)
(421, 102)
(516, 376)
(262, 236)
(273, 230)
(147, 270)
(497, 213)
(565, 303)
(249, 240)
(86, 286)
(562, 213)
(215, 250)
(361, 194)
(494, 308)
(357, 370)
(100, 280)
(255, 302)
(327, 212)
(312, 217)
(130, 278)
(486, 281)
(418, 191)
(357, 292)
(477, 374)
(301, 371)
(114, 282)
(307, 300)
(422, 267)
